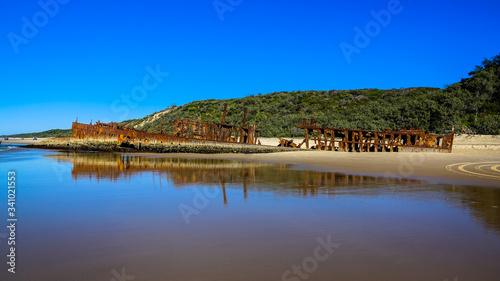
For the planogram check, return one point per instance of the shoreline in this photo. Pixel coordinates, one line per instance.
(463, 141)
(196, 147)
(25, 141)
(433, 167)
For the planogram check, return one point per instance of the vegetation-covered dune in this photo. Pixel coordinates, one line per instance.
(473, 105)
(45, 134)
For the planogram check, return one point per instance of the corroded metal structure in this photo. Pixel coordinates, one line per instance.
(122, 134)
(217, 131)
(183, 131)
(287, 143)
(374, 141)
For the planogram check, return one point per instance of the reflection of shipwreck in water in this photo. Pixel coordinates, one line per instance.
(181, 172)
(276, 179)
(178, 171)
(371, 141)
(176, 132)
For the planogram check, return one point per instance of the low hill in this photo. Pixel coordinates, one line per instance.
(45, 134)
(473, 105)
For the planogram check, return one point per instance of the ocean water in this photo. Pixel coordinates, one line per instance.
(98, 216)
(8, 146)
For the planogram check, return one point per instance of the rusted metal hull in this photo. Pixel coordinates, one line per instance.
(115, 132)
(374, 141)
(184, 131)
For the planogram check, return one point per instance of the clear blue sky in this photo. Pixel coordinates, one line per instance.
(86, 57)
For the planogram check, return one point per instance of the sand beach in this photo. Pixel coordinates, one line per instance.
(475, 160)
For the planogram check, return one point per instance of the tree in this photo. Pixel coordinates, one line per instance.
(482, 87)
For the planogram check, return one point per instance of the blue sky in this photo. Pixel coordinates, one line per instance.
(95, 59)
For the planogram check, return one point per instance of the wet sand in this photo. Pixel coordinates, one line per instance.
(427, 165)
(94, 216)
(483, 170)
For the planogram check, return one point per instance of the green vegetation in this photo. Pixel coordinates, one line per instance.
(46, 134)
(473, 105)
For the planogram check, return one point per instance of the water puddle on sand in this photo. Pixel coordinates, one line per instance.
(96, 216)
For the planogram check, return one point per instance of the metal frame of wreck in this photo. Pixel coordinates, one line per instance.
(375, 141)
(217, 131)
(184, 131)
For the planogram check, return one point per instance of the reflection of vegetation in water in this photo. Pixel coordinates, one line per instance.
(280, 179)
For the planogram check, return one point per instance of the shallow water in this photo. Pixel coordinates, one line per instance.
(107, 217)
